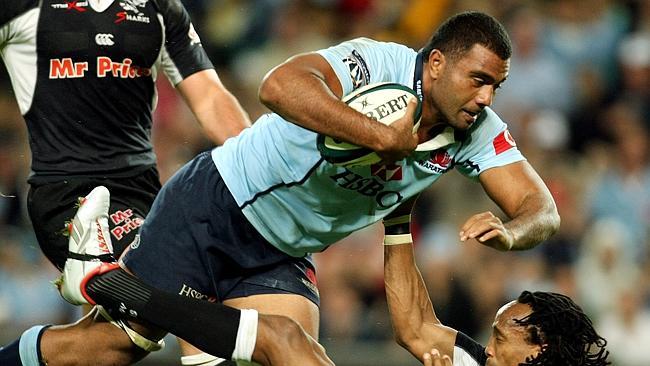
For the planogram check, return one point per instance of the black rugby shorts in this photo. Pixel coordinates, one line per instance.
(52, 204)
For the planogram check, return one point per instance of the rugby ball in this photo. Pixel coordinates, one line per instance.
(384, 102)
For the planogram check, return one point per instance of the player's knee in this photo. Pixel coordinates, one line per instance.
(292, 333)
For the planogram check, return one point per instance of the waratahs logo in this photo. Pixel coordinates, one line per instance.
(439, 161)
(441, 158)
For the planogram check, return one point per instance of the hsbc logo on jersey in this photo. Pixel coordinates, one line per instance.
(65, 68)
(370, 187)
(386, 172)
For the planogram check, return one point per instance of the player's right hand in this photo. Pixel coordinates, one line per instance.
(403, 141)
(433, 358)
(489, 230)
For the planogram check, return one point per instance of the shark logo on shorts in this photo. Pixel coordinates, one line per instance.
(136, 242)
(358, 69)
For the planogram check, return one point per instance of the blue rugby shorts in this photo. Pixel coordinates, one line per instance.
(196, 242)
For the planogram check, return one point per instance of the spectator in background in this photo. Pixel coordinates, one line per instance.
(26, 294)
(634, 62)
(537, 79)
(627, 327)
(623, 191)
(583, 35)
(604, 267)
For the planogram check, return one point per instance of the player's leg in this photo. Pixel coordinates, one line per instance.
(212, 327)
(192, 356)
(90, 241)
(176, 256)
(288, 288)
(296, 307)
(90, 341)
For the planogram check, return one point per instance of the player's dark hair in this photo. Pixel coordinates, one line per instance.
(462, 31)
(563, 330)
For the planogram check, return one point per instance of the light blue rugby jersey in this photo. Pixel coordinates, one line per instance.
(301, 203)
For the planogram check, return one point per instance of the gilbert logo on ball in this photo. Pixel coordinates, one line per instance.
(384, 102)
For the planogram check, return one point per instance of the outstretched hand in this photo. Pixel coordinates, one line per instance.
(403, 140)
(433, 358)
(488, 230)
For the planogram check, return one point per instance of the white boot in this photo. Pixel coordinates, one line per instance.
(89, 245)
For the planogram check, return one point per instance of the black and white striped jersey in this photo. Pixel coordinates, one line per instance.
(468, 352)
(83, 73)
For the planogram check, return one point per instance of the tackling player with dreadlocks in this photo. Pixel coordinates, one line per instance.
(538, 328)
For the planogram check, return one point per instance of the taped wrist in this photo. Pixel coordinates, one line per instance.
(397, 230)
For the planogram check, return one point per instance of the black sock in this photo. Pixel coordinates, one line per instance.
(211, 327)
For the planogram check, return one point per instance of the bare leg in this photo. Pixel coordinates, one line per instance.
(90, 341)
(283, 342)
(295, 307)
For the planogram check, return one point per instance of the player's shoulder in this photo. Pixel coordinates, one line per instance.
(489, 120)
(168, 6)
(12, 9)
(378, 44)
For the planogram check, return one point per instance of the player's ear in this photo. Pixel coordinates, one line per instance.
(436, 63)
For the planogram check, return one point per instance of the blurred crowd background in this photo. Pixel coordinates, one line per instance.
(577, 102)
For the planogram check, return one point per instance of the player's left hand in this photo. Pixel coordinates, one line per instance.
(488, 230)
(434, 358)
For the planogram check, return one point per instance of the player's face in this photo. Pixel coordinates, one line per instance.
(508, 345)
(463, 86)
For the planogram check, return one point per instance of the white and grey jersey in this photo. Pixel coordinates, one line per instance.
(84, 72)
(468, 352)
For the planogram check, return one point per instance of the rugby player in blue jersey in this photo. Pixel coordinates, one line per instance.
(237, 224)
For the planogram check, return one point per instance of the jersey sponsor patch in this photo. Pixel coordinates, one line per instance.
(193, 36)
(387, 172)
(79, 6)
(66, 68)
(503, 142)
(125, 222)
(104, 39)
(132, 12)
(358, 69)
(440, 161)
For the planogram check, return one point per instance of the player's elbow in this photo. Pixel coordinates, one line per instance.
(555, 221)
(552, 220)
(413, 344)
(407, 338)
(271, 88)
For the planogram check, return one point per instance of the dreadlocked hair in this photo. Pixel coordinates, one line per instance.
(564, 331)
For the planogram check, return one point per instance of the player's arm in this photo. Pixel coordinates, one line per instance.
(189, 69)
(305, 90)
(415, 324)
(216, 109)
(522, 195)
